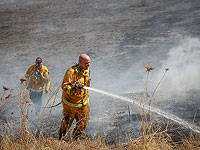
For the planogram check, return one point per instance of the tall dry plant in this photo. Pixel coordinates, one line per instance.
(146, 95)
(149, 99)
(24, 105)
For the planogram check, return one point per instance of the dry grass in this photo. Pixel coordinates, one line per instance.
(154, 141)
(154, 137)
(41, 143)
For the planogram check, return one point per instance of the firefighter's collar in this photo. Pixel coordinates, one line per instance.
(36, 67)
(78, 69)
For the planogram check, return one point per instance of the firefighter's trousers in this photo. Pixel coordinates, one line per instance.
(80, 114)
(36, 98)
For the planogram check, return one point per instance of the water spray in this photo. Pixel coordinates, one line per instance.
(155, 110)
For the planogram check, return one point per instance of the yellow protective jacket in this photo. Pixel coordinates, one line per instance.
(70, 96)
(36, 79)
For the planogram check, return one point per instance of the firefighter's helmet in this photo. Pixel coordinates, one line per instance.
(38, 60)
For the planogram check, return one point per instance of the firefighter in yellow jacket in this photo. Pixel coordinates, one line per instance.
(37, 78)
(75, 98)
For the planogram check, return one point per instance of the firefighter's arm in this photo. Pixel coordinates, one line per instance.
(67, 82)
(47, 80)
(27, 75)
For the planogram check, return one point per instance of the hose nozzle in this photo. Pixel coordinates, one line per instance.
(77, 85)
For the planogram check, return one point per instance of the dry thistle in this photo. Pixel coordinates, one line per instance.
(27, 101)
(166, 69)
(5, 88)
(22, 80)
(149, 68)
(7, 97)
(116, 125)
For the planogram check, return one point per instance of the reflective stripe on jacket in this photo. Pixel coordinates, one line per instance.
(33, 90)
(75, 105)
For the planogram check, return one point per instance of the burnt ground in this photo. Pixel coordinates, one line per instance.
(120, 36)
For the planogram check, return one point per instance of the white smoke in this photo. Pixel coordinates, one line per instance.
(184, 67)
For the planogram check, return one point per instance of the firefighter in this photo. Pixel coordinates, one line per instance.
(75, 99)
(37, 79)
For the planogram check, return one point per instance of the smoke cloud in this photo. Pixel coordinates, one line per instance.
(184, 69)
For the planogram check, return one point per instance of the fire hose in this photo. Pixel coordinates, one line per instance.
(76, 84)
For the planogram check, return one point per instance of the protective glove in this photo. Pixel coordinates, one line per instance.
(77, 85)
(46, 91)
